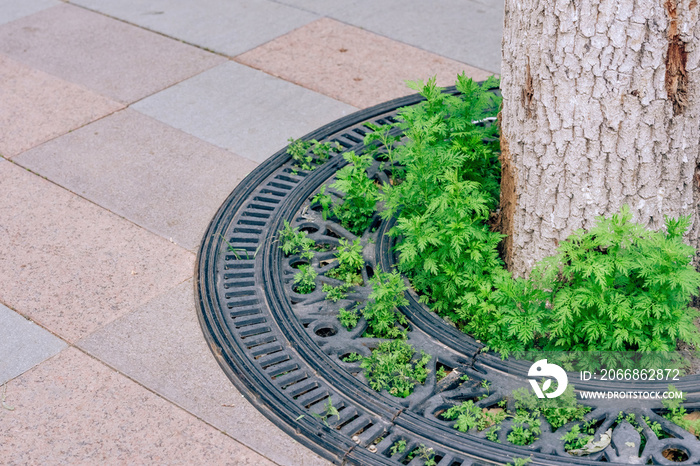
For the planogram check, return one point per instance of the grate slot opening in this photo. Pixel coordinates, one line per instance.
(280, 185)
(272, 192)
(241, 285)
(288, 179)
(273, 359)
(256, 223)
(282, 369)
(260, 341)
(240, 323)
(352, 138)
(252, 231)
(251, 332)
(261, 207)
(237, 294)
(255, 215)
(269, 200)
(243, 313)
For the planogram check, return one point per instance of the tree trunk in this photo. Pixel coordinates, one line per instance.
(601, 108)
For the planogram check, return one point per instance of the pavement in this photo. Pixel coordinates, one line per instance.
(124, 124)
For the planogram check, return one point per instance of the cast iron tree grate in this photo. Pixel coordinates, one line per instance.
(285, 351)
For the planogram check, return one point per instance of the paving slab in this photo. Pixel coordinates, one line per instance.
(160, 178)
(23, 344)
(74, 410)
(72, 266)
(105, 55)
(37, 107)
(229, 27)
(468, 31)
(11, 10)
(352, 65)
(162, 347)
(241, 109)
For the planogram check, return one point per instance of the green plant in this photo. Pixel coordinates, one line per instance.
(655, 428)
(440, 373)
(350, 262)
(526, 428)
(574, 440)
(335, 293)
(557, 411)
(304, 153)
(298, 149)
(380, 312)
(520, 462)
(392, 366)
(469, 416)
(382, 138)
(348, 318)
(294, 241)
(398, 447)
(325, 201)
(358, 206)
(424, 453)
(677, 413)
(305, 279)
(328, 411)
(617, 287)
(352, 357)
(492, 434)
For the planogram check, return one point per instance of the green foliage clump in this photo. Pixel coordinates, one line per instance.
(358, 206)
(450, 183)
(335, 293)
(295, 242)
(575, 439)
(557, 411)
(305, 279)
(350, 262)
(353, 357)
(469, 416)
(677, 413)
(348, 318)
(617, 287)
(306, 153)
(380, 312)
(391, 367)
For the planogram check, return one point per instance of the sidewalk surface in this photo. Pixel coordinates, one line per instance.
(124, 124)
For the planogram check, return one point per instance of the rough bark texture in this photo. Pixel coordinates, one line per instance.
(601, 107)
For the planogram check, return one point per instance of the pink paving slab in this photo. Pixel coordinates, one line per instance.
(72, 266)
(37, 107)
(73, 409)
(351, 64)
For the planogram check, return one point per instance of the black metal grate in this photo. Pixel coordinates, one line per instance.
(282, 350)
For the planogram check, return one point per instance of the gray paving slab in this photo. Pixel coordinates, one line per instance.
(11, 10)
(103, 54)
(23, 344)
(469, 31)
(161, 346)
(160, 178)
(229, 27)
(241, 109)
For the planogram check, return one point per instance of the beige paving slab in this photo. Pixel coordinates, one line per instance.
(36, 106)
(72, 266)
(352, 65)
(162, 346)
(105, 55)
(74, 410)
(161, 178)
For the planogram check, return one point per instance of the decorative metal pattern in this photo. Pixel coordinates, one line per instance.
(283, 350)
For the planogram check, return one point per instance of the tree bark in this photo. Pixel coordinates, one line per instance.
(601, 108)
